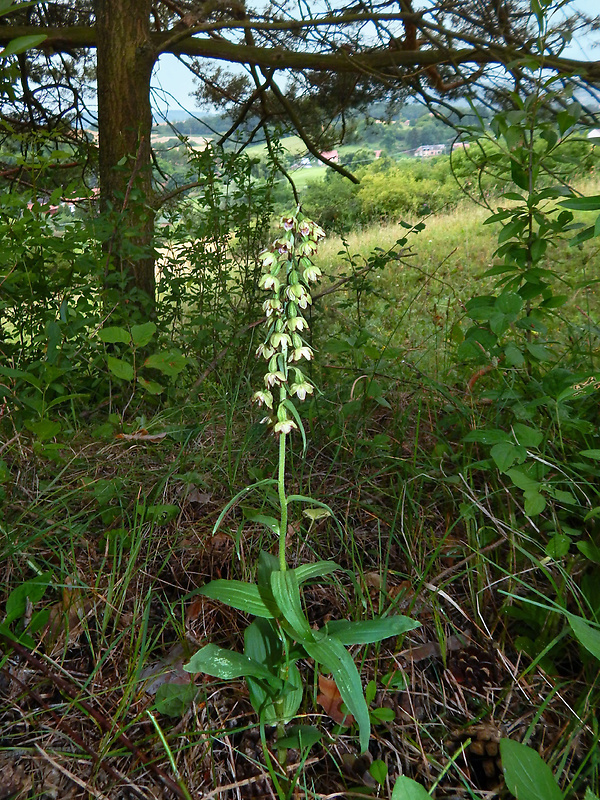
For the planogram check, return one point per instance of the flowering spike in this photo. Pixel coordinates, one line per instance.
(288, 275)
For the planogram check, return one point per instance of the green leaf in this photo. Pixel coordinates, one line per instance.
(519, 175)
(505, 454)
(225, 664)
(286, 591)
(526, 436)
(335, 658)
(171, 363)
(595, 454)
(589, 795)
(162, 512)
(407, 789)
(45, 429)
(306, 572)
(526, 774)
(174, 699)
(21, 44)
(509, 303)
(269, 522)
(378, 770)
(523, 481)
(119, 368)
(490, 436)
(315, 514)
(237, 594)
(538, 351)
(114, 334)
(590, 551)
(263, 644)
(373, 630)
(558, 546)
(383, 714)
(276, 700)
(513, 355)
(586, 635)
(152, 387)
(142, 334)
(535, 503)
(298, 420)
(300, 737)
(591, 203)
(33, 590)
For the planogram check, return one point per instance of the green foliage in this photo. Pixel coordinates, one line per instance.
(387, 191)
(282, 635)
(19, 624)
(526, 774)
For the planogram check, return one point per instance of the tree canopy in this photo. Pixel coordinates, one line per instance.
(305, 65)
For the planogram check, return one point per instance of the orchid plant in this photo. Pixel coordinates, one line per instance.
(281, 634)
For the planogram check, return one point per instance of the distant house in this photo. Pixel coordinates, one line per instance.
(429, 150)
(461, 146)
(377, 153)
(331, 155)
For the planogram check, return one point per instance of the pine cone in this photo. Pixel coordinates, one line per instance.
(474, 668)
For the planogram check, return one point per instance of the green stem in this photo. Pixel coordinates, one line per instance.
(283, 503)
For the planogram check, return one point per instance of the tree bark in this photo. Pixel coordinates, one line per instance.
(126, 58)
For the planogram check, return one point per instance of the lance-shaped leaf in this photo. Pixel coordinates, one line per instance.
(373, 630)
(225, 664)
(286, 592)
(332, 654)
(317, 570)
(237, 594)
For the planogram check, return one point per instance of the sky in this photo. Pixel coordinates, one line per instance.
(173, 82)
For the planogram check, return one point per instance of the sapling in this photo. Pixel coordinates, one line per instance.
(281, 634)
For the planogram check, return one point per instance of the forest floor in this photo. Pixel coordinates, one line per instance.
(108, 536)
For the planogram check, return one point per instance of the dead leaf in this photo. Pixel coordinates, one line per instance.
(195, 496)
(373, 581)
(141, 436)
(167, 670)
(431, 649)
(331, 701)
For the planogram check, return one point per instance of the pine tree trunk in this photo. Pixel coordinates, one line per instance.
(126, 58)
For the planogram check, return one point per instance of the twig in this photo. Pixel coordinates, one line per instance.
(89, 789)
(66, 728)
(107, 725)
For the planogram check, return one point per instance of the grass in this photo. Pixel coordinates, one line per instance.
(125, 527)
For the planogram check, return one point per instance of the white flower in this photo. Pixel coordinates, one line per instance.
(311, 274)
(264, 351)
(270, 282)
(285, 426)
(287, 223)
(263, 398)
(301, 389)
(267, 257)
(299, 353)
(297, 324)
(307, 248)
(304, 228)
(318, 232)
(271, 305)
(281, 340)
(304, 301)
(274, 378)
